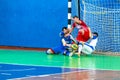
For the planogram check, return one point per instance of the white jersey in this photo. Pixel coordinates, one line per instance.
(93, 43)
(89, 48)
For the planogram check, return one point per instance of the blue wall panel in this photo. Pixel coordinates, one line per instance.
(32, 23)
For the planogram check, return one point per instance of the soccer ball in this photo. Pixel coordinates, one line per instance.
(74, 46)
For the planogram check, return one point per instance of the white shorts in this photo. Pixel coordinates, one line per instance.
(87, 49)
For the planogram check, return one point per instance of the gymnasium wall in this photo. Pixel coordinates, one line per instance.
(32, 23)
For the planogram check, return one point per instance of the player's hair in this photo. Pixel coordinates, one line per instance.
(64, 28)
(75, 16)
(95, 33)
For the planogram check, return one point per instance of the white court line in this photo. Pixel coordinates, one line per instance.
(57, 66)
(47, 75)
(8, 74)
(18, 69)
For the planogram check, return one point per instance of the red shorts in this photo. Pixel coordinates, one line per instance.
(84, 37)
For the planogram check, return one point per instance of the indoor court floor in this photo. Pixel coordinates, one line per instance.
(36, 65)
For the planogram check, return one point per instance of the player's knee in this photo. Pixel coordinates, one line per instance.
(81, 31)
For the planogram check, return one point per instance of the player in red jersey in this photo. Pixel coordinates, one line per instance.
(84, 32)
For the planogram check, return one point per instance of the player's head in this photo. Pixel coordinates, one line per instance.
(65, 30)
(75, 19)
(95, 35)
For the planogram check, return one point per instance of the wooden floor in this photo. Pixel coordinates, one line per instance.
(84, 75)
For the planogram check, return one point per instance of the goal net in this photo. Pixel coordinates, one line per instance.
(103, 16)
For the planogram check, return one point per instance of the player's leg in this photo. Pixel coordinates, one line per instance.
(55, 50)
(84, 38)
(50, 51)
(87, 49)
(80, 39)
(72, 53)
(80, 46)
(87, 34)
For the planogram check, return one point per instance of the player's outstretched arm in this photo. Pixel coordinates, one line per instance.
(65, 44)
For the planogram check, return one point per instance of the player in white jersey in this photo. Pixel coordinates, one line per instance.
(88, 48)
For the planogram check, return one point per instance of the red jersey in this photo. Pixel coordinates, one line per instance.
(87, 33)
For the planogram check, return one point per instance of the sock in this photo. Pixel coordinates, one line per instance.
(49, 51)
(80, 47)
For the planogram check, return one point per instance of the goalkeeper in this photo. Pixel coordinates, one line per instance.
(66, 42)
(88, 48)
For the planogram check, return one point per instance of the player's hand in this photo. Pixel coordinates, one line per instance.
(69, 45)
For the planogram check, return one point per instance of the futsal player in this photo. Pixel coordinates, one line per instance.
(88, 48)
(66, 42)
(84, 32)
